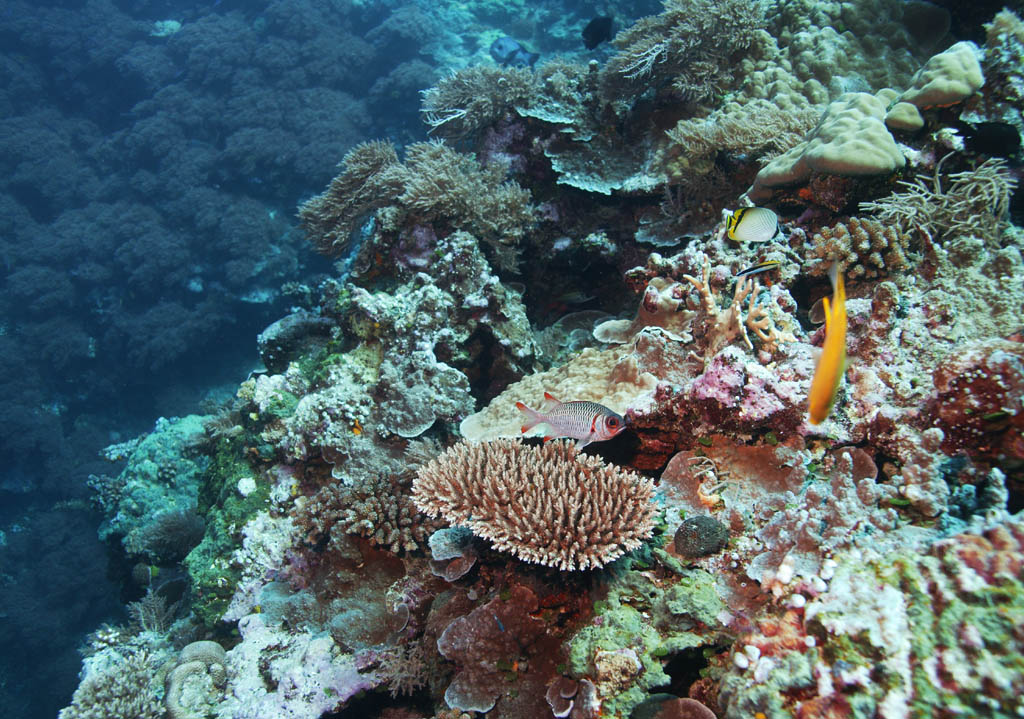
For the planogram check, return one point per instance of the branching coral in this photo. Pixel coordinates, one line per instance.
(862, 247)
(123, 690)
(474, 97)
(380, 509)
(688, 45)
(549, 505)
(973, 203)
(718, 327)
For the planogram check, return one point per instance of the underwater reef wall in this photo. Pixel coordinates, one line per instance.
(383, 535)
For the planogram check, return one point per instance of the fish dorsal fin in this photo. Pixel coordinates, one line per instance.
(828, 314)
(551, 398)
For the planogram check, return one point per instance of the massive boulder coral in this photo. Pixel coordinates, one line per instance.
(549, 505)
(850, 140)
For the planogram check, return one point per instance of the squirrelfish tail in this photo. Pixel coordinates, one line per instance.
(533, 417)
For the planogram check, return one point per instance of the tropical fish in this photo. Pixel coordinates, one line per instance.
(597, 31)
(581, 420)
(752, 224)
(759, 268)
(507, 51)
(832, 363)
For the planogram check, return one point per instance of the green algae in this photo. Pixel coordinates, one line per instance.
(210, 566)
(654, 620)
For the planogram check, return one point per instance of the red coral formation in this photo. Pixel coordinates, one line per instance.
(977, 400)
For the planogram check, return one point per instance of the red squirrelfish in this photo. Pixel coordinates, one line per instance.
(582, 420)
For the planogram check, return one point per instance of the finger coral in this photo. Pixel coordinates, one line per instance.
(863, 248)
(548, 505)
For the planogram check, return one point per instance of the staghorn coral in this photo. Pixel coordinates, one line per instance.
(475, 97)
(973, 203)
(123, 689)
(689, 46)
(548, 505)
(864, 248)
(380, 509)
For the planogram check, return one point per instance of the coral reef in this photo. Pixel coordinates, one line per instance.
(381, 540)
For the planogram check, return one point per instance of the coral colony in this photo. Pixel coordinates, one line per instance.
(367, 531)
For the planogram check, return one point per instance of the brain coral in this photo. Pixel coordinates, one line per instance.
(549, 505)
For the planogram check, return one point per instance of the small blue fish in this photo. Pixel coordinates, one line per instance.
(507, 51)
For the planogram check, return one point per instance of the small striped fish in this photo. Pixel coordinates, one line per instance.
(752, 224)
(581, 420)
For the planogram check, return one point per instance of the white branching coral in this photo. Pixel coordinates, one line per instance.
(548, 505)
(722, 326)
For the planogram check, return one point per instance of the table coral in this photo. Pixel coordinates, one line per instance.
(549, 505)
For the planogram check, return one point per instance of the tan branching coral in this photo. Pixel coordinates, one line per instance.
(689, 45)
(123, 690)
(548, 505)
(862, 247)
(973, 203)
(363, 185)
(719, 327)
(474, 97)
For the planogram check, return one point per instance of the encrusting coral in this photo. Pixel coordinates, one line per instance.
(549, 505)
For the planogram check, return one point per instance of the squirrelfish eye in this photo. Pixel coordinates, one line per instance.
(613, 421)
